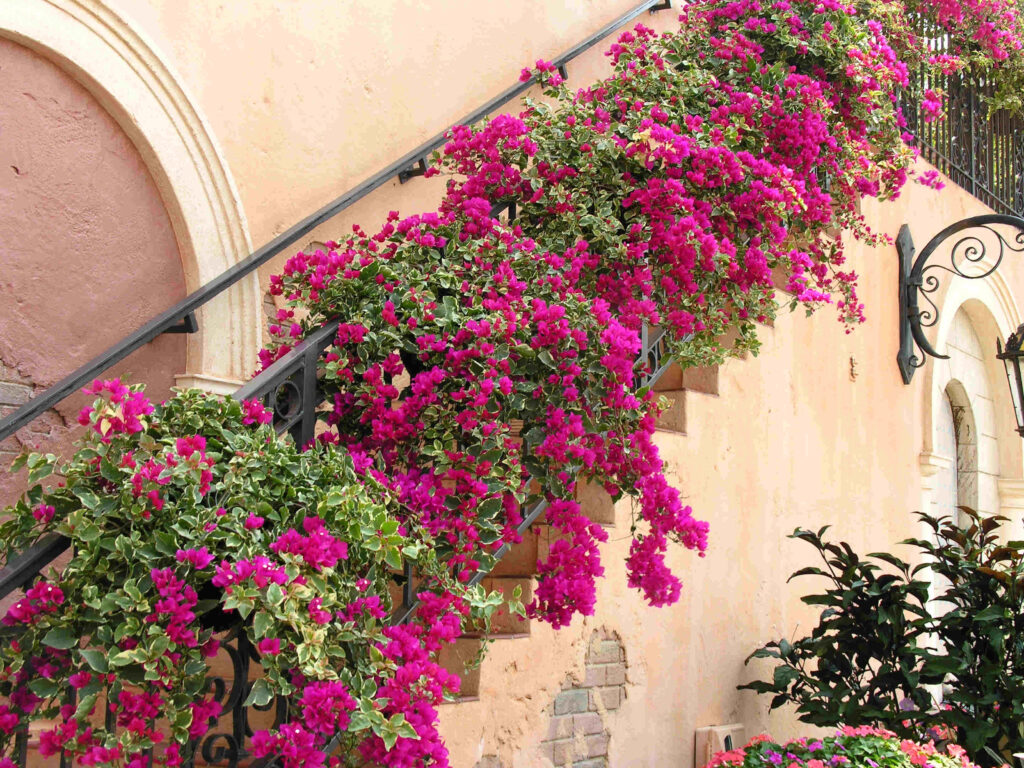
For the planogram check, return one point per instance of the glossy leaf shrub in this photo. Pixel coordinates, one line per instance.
(879, 643)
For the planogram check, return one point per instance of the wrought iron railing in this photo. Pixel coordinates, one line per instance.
(978, 148)
(290, 388)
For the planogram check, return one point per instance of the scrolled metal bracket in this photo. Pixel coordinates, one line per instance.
(969, 258)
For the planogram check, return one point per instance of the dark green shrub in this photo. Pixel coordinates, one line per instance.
(877, 647)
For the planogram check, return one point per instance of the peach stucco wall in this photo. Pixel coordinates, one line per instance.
(305, 99)
(87, 253)
(791, 440)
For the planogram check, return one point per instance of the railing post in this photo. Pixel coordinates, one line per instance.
(309, 398)
(21, 747)
(972, 159)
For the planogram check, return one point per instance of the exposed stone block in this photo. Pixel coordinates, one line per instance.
(595, 676)
(14, 394)
(587, 723)
(563, 752)
(615, 674)
(560, 727)
(604, 652)
(597, 745)
(574, 700)
(605, 699)
(597, 762)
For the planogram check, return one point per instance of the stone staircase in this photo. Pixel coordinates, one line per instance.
(577, 732)
(577, 729)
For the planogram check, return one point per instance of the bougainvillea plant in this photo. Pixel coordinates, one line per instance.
(478, 365)
(189, 518)
(862, 747)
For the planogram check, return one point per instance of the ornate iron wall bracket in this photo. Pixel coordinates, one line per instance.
(919, 280)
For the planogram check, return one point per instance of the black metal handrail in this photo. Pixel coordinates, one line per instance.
(411, 164)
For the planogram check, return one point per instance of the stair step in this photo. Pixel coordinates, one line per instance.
(455, 657)
(596, 503)
(521, 559)
(673, 418)
(504, 623)
(703, 379)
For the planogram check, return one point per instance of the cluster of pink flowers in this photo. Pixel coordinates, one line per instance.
(123, 411)
(41, 598)
(318, 549)
(494, 364)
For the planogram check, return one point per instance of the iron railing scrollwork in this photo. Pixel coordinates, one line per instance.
(290, 388)
(977, 147)
(973, 256)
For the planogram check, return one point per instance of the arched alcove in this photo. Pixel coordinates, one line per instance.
(973, 314)
(122, 71)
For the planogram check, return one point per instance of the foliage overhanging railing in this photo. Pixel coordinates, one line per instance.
(979, 148)
(290, 389)
(181, 317)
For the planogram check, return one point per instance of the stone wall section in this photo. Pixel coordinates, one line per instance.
(15, 391)
(580, 717)
(580, 726)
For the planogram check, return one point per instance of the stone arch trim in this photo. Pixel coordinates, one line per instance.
(101, 50)
(993, 312)
(990, 307)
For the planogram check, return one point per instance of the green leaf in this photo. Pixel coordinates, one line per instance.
(261, 623)
(89, 499)
(260, 695)
(275, 595)
(97, 660)
(60, 637)
(45, 688)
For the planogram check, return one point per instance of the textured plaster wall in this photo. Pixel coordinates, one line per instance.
(791, 440)
(86, 249)
(308, 97)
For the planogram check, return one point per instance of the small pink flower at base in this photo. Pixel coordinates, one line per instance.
(325, 707)
(318, 614)
(931, 179)
(254, 412)
(269, 646)
(203, 714)
(8, 719)
(80, 679)
(211, 647)
(200, 558)
(293, 745)
(43, 513)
